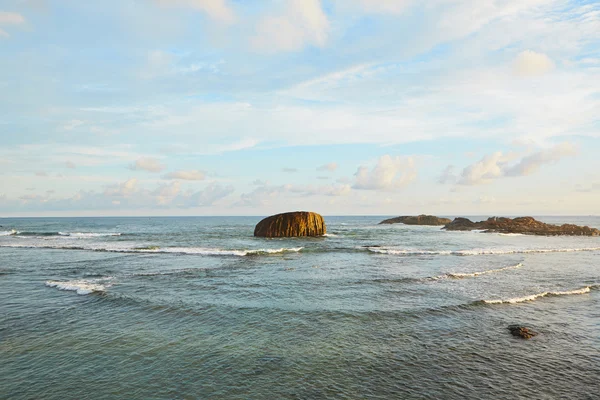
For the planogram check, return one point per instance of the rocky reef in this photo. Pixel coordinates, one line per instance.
(291, 224)
(521, 331)
(522, 225)
(417, 220)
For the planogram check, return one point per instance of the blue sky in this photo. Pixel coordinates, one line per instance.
(230, 107)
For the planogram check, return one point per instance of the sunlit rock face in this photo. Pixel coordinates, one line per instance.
(291, 224)
(523, 225)
(417, 220)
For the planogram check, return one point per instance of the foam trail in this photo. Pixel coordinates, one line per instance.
(87, 235)
(533, 297)
(80, 286)
(218, 252)
(167, 250)
(474, 274)
(474, 252)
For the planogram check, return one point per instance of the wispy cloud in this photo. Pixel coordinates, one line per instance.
(328, 167)
(9, 19)
(218, 10)
(301, 23)
(388, 174)
(499, 165)
(193, 175)
(148, 164)
(530, 63)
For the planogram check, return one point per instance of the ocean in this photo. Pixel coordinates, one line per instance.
(197, 308)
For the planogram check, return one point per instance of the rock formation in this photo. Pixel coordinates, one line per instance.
(417, 220)
(521, 331)
(523, 225)
(292, 224)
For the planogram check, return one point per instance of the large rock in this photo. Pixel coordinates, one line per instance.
(417, 220)
(292, 224)
(523, 225)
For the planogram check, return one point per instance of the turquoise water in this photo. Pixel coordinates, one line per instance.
(145, 308)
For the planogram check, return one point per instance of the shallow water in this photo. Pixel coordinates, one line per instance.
(145, 308)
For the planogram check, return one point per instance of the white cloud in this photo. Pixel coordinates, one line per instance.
(448, 175)
(194, 175)
(216, 9)
(377, 6)
(388, 174)
(147, 164)
(485, 171)
(207, 197)
(530, 63)
(328, 167)
(124, 189)
(70, 165)
(166, 193)
(301, 23)
(498, 165)
(9, 18)
(289, 170)
(265, 194)
(533, 162)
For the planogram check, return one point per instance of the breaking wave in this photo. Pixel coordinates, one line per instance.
(86, 235)
(533, 297)
(9, 233)
(474, 252)
(81, 286)
(160, 250)
(458, 275)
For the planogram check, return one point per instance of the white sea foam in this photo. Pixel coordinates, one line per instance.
(216, 252)
(330, 235)
(533, 297)
(115, 248)
(474, 252)
(489, 271)
(81, 286)
(87, 235)
(9, 233)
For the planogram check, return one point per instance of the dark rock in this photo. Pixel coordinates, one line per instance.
(292, 224)
(417, 220)
(521, 331)
(523, 225)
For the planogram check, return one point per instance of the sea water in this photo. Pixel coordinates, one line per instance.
(196, 307)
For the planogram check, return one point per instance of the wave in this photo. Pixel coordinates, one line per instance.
(86, 235)
(474, 252)
(43, 235)
(458, 275)
(161, 250)
(450, 275)
(533, 297)
(217, 252)
(81, 286)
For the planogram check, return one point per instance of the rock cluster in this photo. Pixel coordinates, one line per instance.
(291, 224)
(521, 331)
(523, 225)
(417, 220)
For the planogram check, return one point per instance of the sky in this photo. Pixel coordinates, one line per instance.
(342, 107)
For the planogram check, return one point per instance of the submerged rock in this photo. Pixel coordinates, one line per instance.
(521, 331)
(292, 224)
(522, 225)
(417, 220)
